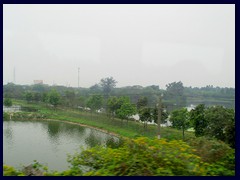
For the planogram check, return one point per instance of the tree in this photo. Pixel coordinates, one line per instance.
(180, 119)
(175, 95)
(220, 124)
(69, 97)
(54, 97)
(164, 114)
(112, 105)
(198, 119)
(7, 102)
(95, 102)
(45, 97)
(127, 109)
(107, 84)
(96, 88)
(29, 96)
(36, 96)
(142, 102)
(145, 116)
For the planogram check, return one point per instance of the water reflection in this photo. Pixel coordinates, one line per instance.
(93, 140)
(53, 129)
(48, 142)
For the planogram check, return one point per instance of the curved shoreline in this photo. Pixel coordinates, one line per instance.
(79, 124)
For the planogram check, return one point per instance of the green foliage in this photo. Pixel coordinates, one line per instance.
(180, 119)
(107, 84)
(28, 96)
(145, 116)
(113, 104)
(7, 102)
(142, 102)
(215, 152)
(69, 98)
(198, 120)
(54, 97)
(174, 96)
(37, 96)
(95, 102)
(6, 116)
(127, 109)
(221, 124)
(11, 171)
(145, 157)
(164, 114)
(44, 97)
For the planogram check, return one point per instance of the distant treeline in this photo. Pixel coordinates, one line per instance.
(175, 96)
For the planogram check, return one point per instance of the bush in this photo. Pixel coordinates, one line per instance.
(11, 171)
(145, 157)
(212, 150)
(6, 116)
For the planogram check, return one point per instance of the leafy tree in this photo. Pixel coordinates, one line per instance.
(29, 96)
(175, 95)
(81, 101)
(45, 97)
(95, 102)
(180, 119)
(69, 97)
(126, 108)
(96, 88)
(36, 96)
(107, 84)
(164, 115)
(198, 119)
(112, 105)
(145, 116)
(7, 102)
(142, 102)
(54, 97)
(220, 123)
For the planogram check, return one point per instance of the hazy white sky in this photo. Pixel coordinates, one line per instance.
(135, 44)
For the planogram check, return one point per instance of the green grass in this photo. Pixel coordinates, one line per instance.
(132, 129)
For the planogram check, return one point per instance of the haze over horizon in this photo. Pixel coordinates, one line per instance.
(136, 44)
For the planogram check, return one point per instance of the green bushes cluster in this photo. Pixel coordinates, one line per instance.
(11, 171)
(146, 157)
(6, 116)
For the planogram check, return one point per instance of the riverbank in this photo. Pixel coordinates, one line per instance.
(100, 121)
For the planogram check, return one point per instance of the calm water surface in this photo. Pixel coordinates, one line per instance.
(48, 142)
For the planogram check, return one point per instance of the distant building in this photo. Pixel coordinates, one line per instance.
(38, 81)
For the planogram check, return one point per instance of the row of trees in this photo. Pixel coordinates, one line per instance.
(175, 95)
(215, 122)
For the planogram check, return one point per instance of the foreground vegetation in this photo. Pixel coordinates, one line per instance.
(136, 156)
(141, 157)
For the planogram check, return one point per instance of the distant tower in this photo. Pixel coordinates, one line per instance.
(78, 77)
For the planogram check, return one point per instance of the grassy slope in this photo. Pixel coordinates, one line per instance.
(131, 130)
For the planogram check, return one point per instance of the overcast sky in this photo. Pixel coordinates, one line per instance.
(135, 44)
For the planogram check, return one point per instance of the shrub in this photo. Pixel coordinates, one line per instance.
(145, 157)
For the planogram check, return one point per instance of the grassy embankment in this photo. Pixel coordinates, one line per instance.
(131, 129)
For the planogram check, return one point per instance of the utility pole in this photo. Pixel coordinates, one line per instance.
(159, 115)
(78, 77)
